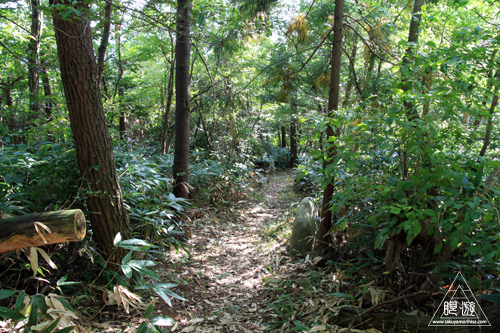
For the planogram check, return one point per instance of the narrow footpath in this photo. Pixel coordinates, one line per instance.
(232, 254)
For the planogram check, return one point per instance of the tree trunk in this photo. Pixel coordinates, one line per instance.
(367, 83)
(283, 137)
(352, 73)
(182, 97)
(33, 58)
(49, 101)
(168, 106)
(333, 105)
(204, 125)
(412, 39)
(122, 126)
(489, 125)
(93, 147)
(101, 52)
(293, 137)
(41, 229)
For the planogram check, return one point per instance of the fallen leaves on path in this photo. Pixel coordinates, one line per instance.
(223, 280)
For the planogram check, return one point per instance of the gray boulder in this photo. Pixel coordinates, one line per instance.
(304, 228)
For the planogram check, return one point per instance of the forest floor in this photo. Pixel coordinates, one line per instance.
(234, 252)
(238, 275)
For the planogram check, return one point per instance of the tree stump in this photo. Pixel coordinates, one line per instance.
(41, 229)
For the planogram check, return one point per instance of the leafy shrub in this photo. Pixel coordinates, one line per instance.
(219, 180)
(37, 178)
(146, 186)
(273, 157)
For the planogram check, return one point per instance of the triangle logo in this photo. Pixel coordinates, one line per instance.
(459, 307)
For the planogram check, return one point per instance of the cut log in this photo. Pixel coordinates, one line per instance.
(41, 229)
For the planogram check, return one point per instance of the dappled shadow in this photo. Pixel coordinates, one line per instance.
(223, 280)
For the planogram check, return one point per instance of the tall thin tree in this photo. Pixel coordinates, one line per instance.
(182, 97)
(333, 105)
(34, 57)
(79, 74)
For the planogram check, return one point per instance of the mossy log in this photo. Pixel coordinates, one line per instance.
(41, 229)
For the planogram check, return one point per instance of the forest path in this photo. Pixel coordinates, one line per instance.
(231, 256)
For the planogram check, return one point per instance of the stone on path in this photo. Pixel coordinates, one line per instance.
(304, 228)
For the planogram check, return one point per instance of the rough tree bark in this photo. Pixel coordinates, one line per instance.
(79, 74)
(182, 97)
(333, 105)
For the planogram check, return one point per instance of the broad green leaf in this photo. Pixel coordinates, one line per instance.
(429, 212)
(142, 263)
(395, 210)
(127, 270)
(6, 293)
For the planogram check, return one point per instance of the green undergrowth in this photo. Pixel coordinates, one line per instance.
(45, 177)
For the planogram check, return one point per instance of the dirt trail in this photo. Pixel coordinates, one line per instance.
(223, 279)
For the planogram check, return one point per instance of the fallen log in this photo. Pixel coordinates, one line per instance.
(41, 229)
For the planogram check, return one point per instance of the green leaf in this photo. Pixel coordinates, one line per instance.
(172, 294)
(494, 164)
(20, 301)
(40, 303)
(135, 244)
(201, 18)
(164, 296)
(491, 297)
(474, 282)
(10, 314)
(145, 271)
(164, 285)
(162, 321)
(142, 263)
(143, 327)
(6, 293)
(429, 212)
(66, 330)
(431, 43)
(395, 210)
(149, 310)
(479, 175)
(33, 316)
(126, 259)
(127, 270)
